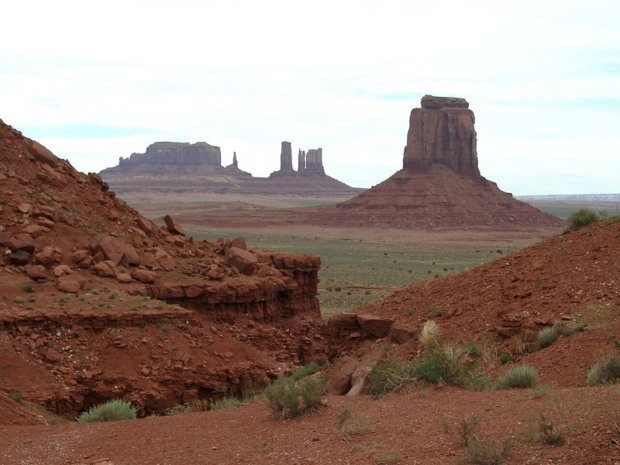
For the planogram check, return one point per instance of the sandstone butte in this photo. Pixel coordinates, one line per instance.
(186, 168)
(440, 185)
(100, 302)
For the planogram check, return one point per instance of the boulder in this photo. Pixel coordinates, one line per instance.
(144, 276)
(116, 250)
(70, 284)
(36, 272)
(48, 255)
(245, 262)
(339, 382)
(43, 154)
(105, 269)
(172, 226)
(402, 335)
(21, 257)
(373, 325)
(359, 380)
(164, 260)
(124, 278)
(21, 242)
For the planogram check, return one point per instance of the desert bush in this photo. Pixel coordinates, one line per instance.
(523, 376)
(352, 424)
(550, 433)
(547, 336)
(386, 457)
(467, 426)
(605, 372)
(306, 371)
(112, 410)
(288, 398)
(389, 375)
(580, 218)
(429, 336)
(483, 452)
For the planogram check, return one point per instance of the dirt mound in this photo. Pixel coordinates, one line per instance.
(98, 302)
(569, 279)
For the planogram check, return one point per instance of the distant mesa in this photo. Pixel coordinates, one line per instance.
(184, 167)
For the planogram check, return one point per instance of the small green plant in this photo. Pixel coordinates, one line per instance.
(306, 371)
(605, 372)
(352, 424)
(112, 295)
(17, 396)
(18, 300)
(483, 452)
(505, 357)
(288, 398)
(94, 291)
(547, 336)
(113, 410)
(580, 218)
(550, 434)
(522, 376)
(474, 350)
(467, 427)
(28, 288)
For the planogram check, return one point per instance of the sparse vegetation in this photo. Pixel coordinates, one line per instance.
(113, 410)
(547, 336)
(522, 376)
(28, 288)
(467, 426)
(580, 218)
(288, 398)
(605, 372)
(550, 433)
(485, 452)
(17, 396)
(226, 403)
(386, 457)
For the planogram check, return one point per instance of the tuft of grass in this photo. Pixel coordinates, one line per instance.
(352, 424)
(18, 300)
(605, 372)
(550, 433)
(547, 336)
(28, 288)
(505, 357)
(17, 396)
(306, 371)
(580, 218)
(389, 375)
(386, 457)
(429, 336)
(288, 398)
(467, 426)
(522, 376)
(112, 410)
(226, 403)
(483, 452)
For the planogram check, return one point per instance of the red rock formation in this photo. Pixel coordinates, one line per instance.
(440, 185)
(442, 132)
(286, 157)
(63, 232)
(314, 163)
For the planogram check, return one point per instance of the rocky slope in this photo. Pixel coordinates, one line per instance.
(98, 302)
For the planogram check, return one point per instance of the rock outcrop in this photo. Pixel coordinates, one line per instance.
(311, 164)
(286, 158)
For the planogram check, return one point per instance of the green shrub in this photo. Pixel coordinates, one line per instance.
(523, 376)
(550, 433)
(505, 357)
(547, 336)
(389, 375)
(306, 371)
(605, 372)
(17, 396)
(28, 288)
(288, 398)
(112, 410)
(581, 217)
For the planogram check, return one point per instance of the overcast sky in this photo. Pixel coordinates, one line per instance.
(97, 81)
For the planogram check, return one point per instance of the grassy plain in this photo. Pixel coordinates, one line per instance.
(356, 272)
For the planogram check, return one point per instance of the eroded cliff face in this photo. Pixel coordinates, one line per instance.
(442, 132)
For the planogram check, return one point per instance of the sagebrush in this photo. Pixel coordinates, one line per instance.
(288, 398)
(521, 376)
(112, 410)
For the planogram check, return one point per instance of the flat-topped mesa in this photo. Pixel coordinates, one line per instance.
(175, 153)
(286, 157)
(442, 132)
(313, 163)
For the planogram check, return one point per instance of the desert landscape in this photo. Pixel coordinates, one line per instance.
(430, 319)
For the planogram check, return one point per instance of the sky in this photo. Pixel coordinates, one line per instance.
(95, 81)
